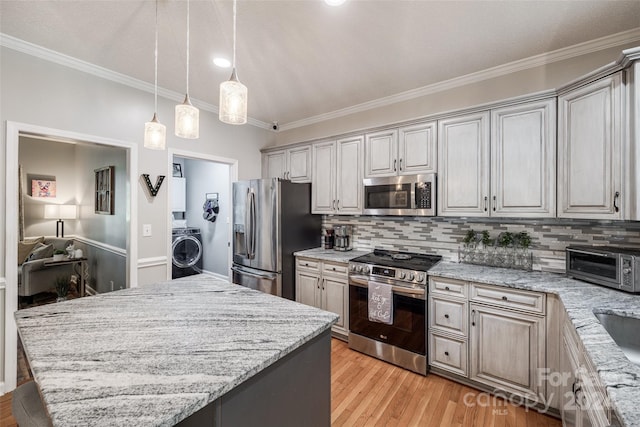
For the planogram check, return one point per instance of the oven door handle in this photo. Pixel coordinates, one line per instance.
(598, 254)
(363, 282)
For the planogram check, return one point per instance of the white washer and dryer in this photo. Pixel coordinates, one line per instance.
(186, 252)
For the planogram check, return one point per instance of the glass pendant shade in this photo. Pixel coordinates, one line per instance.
(187, 120)
(233, 101)
(155, 134)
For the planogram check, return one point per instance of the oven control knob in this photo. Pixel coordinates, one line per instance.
(626, 270)
(366, 269)
(402, 275)
(352, 267)
(359, 268)
(420, 277)
(410, 276)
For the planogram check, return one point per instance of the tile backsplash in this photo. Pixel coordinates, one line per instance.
(443, 236)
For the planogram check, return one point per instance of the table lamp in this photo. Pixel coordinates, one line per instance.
(60, 212)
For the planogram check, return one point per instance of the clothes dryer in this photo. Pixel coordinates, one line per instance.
(186, 252)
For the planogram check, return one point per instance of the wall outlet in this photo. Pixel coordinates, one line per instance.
(146, 230)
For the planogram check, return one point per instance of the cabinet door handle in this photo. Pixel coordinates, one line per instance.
(473, 318)
(486, 199)
(400, 164)
(446, 288)
(394, 165)
(333, 205)
(494, 203)
(504, 298)
(446, 316)
(338, 204)
(446, 353)
(318, 282)
(323, 283)
(615, 199)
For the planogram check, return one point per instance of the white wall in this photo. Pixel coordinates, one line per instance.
(38, 92)
(209, 177)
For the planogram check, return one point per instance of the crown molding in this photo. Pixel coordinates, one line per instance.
(37, 51)
(500, 70)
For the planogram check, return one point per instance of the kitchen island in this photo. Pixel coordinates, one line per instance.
(192, 351)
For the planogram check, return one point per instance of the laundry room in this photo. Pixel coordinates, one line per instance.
(200, 212)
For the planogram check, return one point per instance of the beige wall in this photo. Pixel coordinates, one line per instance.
(520, 83)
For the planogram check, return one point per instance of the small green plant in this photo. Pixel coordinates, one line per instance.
(524, 240)
(469, 237)
(486, 239)
(58, 252)
(505, 239)
(62, 286)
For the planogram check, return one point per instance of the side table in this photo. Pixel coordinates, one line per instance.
(76, 262)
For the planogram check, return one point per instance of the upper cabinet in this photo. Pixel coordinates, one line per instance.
(506, 172)
(293, 164)
(590, 150)
(337, 176)
(463, 179)
(404, 151)
(178, 194)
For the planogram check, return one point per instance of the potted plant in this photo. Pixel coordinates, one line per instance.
(62, 288)
(58, 255)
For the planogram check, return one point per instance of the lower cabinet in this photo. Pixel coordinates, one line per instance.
(490, 335)
(325, 285)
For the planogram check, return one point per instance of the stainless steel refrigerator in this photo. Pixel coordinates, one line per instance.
(271, 220)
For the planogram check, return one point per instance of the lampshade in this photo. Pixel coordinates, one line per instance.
(155, 134)
(187, 120)
(233, 101)
(60, 211)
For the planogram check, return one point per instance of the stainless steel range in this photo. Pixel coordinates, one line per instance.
(404, 341)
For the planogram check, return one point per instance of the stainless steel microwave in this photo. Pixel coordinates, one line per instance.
(614, 267)
(408, 195)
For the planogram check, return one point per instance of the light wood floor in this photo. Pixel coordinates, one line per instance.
(368, 392)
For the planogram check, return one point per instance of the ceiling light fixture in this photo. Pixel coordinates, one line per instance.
(187, 116)
(155, 133)
(334, 2)
(233, 94)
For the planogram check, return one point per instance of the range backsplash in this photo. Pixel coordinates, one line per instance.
(443, 236)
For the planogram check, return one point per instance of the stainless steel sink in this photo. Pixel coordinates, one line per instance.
(625, 331)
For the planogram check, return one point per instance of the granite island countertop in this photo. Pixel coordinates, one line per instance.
(581, 300)
(153, 355)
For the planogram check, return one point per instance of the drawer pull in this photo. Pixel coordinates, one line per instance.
(334, 269)
(446, 316)
(384, 337)
(473, 318)
(446, 288)
(504, 298)
(446, 353)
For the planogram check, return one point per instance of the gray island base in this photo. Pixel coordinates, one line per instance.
(190, 352)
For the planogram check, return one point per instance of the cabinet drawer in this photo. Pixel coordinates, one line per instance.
(509, 298)
(448, 353)
(450, 287)
(448, 315)
(333, 268)
(308, 264)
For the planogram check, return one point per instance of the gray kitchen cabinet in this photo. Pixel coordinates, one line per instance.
(490, 335)
(293, 164)
(584, 402)
(590, 130)
(463, 159)
(404, 151)
(508, 172)
(325, 285)
(337, 176)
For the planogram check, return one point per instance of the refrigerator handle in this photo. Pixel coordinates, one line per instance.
(247, 223)
(252, 208)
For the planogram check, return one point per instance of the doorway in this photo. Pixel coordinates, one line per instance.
(18, 133)
(200, 199)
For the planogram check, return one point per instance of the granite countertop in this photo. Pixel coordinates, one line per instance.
(331, 255)
(153, 355)
(581, 300)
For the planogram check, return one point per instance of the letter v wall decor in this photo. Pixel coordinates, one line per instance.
(153, 190)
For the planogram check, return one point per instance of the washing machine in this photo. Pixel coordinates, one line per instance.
(186, 252)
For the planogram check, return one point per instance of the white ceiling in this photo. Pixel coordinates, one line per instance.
(302, 58)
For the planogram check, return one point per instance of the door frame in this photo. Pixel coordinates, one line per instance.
(233, 176)
(14, 130)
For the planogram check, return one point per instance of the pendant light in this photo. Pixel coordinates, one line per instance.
(155, 133)
(187, 116)
(233, 94)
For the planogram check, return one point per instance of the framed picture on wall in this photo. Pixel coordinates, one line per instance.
(177, 170)
(105, 190)
(43, 188)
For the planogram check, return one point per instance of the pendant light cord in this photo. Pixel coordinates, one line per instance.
(155, 92)
(188, 14)
(234, 34)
